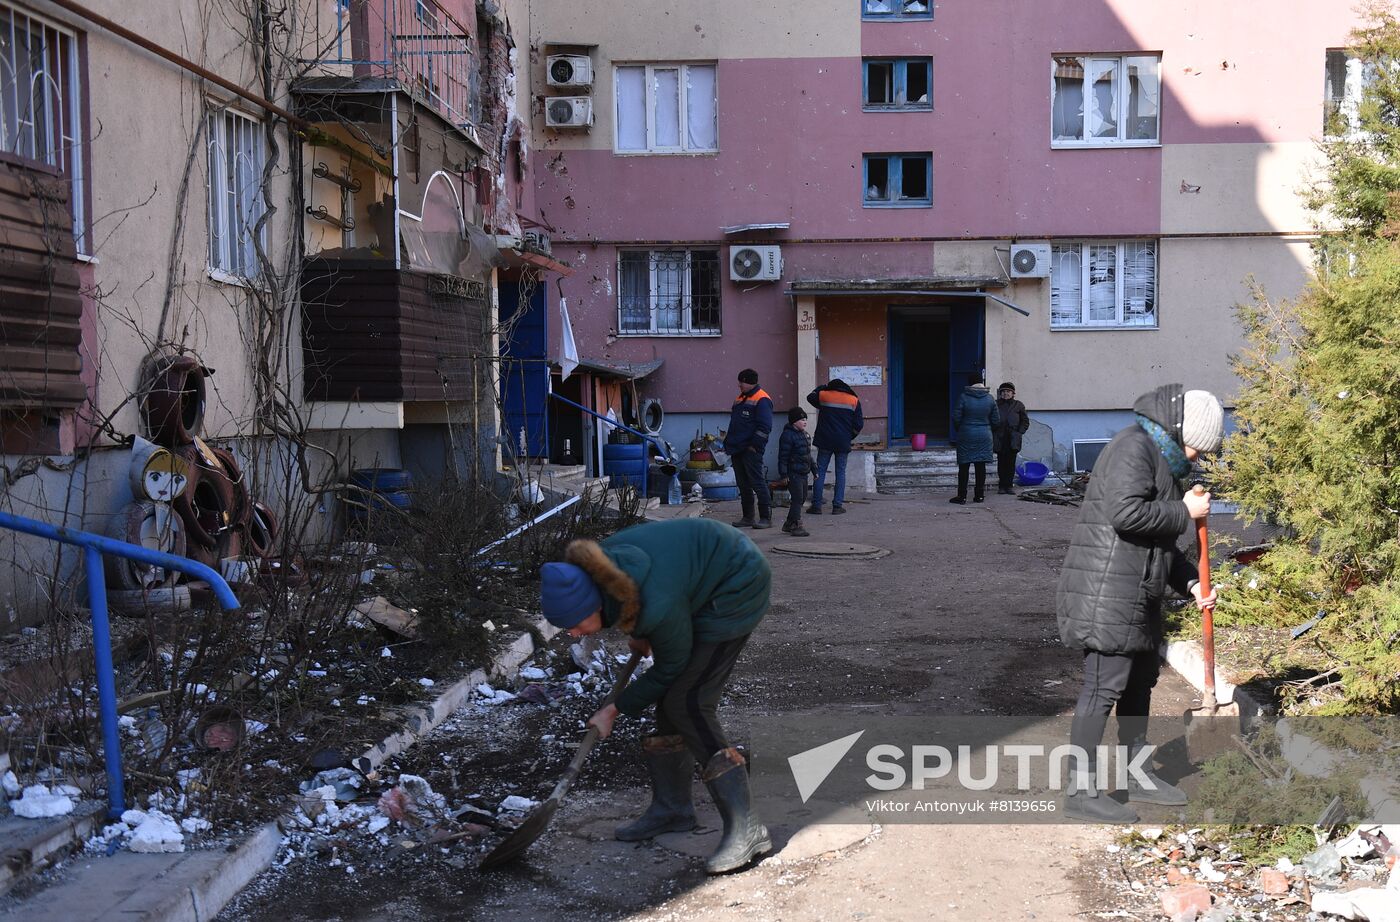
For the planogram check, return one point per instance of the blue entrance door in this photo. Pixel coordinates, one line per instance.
(524, 371)
(966, 339)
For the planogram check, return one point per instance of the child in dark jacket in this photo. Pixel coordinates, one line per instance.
(794, 464)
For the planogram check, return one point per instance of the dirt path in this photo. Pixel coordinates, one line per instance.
(957, 620)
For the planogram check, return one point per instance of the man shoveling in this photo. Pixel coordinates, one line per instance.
(689, 592)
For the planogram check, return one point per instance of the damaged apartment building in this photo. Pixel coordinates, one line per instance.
(1070, 196)
(248, 250)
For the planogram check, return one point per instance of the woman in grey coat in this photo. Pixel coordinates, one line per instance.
(974, 417)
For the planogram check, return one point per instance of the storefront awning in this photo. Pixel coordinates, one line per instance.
(957, 286)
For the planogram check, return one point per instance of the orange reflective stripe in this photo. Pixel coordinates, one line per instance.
(838, 400)
(755, 397)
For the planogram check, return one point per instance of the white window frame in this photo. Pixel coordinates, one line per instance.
(66, 114)
(220, 252)
(1118, 323)
(649, 104)
(1121, 115)
(687, 294)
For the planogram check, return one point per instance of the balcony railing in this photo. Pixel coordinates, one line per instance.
(416, 42)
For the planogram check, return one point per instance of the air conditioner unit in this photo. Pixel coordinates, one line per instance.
(538, 241)
(1030, 260)
(755, 263)
(569, 70)
(568, 112)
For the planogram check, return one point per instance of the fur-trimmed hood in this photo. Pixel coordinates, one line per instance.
(615, 584)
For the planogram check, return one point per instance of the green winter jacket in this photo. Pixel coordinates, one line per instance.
(675, 584)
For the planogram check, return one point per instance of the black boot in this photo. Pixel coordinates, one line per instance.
(1161, 792)
(1084, 802)
(671, 766)
(765, 517)
(960, 499)
(745, 503)
(745, 838)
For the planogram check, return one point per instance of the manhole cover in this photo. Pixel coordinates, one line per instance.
(827, 549)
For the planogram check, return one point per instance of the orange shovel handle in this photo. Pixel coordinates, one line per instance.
(1208, 613)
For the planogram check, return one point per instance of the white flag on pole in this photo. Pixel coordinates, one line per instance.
(568, 358)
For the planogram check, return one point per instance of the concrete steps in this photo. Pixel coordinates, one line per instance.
(904, 471)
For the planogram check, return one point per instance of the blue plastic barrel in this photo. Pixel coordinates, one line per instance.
(625, 465)
(391, 486)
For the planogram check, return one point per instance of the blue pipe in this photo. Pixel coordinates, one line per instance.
(661, 449)
(94, 546)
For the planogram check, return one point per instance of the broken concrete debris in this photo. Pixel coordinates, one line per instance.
(154, 833)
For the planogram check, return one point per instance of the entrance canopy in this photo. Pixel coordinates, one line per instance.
(932, 286)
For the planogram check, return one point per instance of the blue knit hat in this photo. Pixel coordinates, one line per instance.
(567, 594)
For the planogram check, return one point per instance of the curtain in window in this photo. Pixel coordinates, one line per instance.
(245, 198)
(669, 274)
(1139, 282)
(1067, 108)
(1103, 284)
(634, 282)
(631, 108)
(1144, 98)
(1101, 114)
(1066, 270)
(700, 108)
(666, 102)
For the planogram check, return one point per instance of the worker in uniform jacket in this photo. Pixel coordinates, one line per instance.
(839, 421)
(750, 422)
(690, 592)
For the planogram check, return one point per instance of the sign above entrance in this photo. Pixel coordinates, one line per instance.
(857, 375)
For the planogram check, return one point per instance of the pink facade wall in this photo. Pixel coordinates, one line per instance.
(792, 135)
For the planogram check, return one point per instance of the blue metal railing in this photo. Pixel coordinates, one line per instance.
(94, 546)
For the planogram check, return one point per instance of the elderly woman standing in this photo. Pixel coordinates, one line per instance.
(974, 417)
(1012, 425)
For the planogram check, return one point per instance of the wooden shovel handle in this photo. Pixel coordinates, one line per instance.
(591, 737)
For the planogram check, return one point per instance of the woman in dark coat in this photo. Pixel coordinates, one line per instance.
(1013, 423)
(974, 417)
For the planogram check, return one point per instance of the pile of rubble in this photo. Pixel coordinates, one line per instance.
(1199, 875)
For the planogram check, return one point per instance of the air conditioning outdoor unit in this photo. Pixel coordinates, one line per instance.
(755, 263)
(1030, 260)
(538, 241)
(569, 70)
(568, 112)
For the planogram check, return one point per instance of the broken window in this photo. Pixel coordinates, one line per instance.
(668, 292)
(896, 9)
(237, 150)
(1347, 79)
(898, 180)
(40, 115)
(1103, 284)
(666, 108)
(1104, 100)
(898, 83)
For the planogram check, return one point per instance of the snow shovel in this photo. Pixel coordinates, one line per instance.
(1210, 728)
(514, 845)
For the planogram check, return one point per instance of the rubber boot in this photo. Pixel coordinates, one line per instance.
(744, 838)
(1162, 793)
(765, 517)
(671, 767)
(1084, 802)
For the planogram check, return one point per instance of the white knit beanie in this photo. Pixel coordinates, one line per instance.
(1203, 423)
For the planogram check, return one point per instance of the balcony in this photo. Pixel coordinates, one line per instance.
(417, 44)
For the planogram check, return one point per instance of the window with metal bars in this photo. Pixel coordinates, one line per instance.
(668, 293)
(40, 114)
(237, 151)
(1103, 284)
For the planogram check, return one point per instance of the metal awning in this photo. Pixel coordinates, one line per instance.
(948, 286)
(630, 371)
(741, 228)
